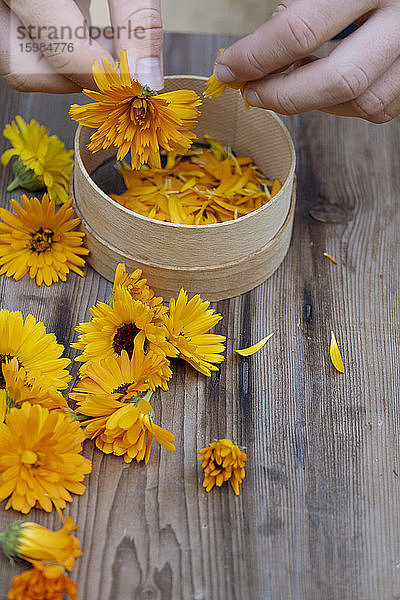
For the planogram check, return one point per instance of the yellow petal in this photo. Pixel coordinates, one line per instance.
(255, 348)
(335, 354)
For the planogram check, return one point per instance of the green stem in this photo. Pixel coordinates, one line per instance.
(14, 185)
(147, 396)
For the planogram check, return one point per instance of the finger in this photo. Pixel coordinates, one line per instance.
(379, 103)
(42, 21)
(347, 73)
(139, 30)
(27, 72)
(292, 34)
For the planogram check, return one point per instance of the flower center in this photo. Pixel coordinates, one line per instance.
(28, 457)
(138, 111)
(3, 359)
(123, 389)
(124, 338)
(42, 240)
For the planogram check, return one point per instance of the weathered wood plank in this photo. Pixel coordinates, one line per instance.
(318, 514)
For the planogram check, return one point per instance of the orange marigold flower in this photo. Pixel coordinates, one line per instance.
(123, 429)
(40, 241)
(221, 461)
(126, 325)
(44, 582)
(19, 389)
(36, 351)
(35, 543)
(131, 117)
(139, 289)
(40, 460)
(187, 324)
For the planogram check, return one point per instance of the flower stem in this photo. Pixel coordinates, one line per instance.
(14, 185)
(147, 396)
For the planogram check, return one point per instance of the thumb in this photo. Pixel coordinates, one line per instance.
(137, 27)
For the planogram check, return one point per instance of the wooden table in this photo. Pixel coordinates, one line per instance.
(318, 513)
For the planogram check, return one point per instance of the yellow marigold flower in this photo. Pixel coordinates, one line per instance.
(35, 350)
(121, 378)
(123, 429)
(34, 543)
(215, 88)
(133, 118)
(221, 461)
(40, 241)
(139, 289)
(40, 460)
(125, 325)
(19, 389)
(47, 582)
(42, 160)
(187, 324)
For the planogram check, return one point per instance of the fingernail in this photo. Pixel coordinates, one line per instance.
(252, 97)
(148, 72)
(223, 73)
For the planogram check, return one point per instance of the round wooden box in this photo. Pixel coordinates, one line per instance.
(217, 261)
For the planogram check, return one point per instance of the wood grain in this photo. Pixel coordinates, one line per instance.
(318, 513)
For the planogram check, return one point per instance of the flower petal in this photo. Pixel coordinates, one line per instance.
(256, 347)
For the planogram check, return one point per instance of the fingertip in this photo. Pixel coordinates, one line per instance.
(148, 72)
(223, 73)
(252, 98)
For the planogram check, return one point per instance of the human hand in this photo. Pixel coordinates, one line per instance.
(360, 78)
(51, 46)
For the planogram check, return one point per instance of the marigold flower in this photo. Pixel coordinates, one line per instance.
(139, 289)
(131, 117)
(40, 460)
(221, 461)
(35, 543)
(121, 378)
(187, 324)
(125, 325)
(35, 350)
(19, 389)
(123, 428)
(42, 160)
(44, 582)
(39, 241)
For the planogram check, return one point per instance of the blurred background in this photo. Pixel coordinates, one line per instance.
(235, 17)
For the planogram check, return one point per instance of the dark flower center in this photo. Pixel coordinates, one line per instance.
(139, 111)
(122, 389)
(124, 339)
(3, 359)
(42, 240)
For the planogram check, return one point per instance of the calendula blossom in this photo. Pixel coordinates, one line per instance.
(187, 324)
(126, 325)
(222, 461)
(35, 350)
(44, 582)
(122, 378)
(18, 389)
(40, 459)
(139, 289)
(42, 160)
(133, 118)
(123, 429)
(35, 543)
(40, 241)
